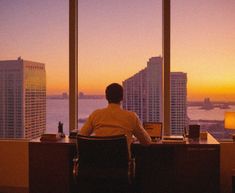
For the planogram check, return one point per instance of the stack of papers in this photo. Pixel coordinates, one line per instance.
(174, 141)
(173, 137)
(50, 137)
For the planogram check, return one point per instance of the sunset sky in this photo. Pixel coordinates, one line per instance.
(117, 37)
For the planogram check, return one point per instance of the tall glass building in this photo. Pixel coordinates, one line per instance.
(22, 99)
(179, 118)
(143, 95)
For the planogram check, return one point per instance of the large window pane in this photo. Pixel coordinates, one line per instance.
(203, 42)
(36, 31)
(116, 40)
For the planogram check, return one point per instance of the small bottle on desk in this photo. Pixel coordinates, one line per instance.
(60, 129)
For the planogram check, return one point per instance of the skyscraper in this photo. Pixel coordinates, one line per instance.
(22, 99)
(178, 102)
(143, 95)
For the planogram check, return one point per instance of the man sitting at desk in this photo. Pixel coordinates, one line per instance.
(113, 120)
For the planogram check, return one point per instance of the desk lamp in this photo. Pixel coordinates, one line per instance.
(229, 122)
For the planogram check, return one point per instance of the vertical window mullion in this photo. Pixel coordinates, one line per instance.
(166, 14)
(73, 64)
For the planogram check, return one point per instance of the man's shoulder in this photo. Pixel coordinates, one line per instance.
(130, 113)
(98, 111)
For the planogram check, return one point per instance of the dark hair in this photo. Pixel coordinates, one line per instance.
(114, 93)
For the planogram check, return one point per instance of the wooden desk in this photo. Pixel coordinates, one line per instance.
(50, 166)
(227, 166)
(162, 168)
(178, 168)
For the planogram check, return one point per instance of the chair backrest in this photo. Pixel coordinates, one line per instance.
(103, 164)
(103, 152)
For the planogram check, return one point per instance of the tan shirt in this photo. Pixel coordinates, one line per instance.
(113, 120)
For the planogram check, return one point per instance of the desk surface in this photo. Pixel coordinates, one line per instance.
(209, 141)
(65, 140)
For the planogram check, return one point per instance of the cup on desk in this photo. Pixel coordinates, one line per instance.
(194, 131)
(203, 135)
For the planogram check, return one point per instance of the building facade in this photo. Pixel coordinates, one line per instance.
(22, 99)
(178, 102)
(143, 95)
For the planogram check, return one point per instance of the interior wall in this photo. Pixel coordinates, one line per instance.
(14, 170)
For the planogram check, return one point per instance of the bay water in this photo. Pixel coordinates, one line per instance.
(58, 110)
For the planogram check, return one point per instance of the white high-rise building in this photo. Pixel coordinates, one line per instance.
(154, 90)
(134, 89)
(178, 102)
(22, 99)
(143, 95)
(142, 92)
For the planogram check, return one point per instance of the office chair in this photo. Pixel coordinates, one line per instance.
(103, 165)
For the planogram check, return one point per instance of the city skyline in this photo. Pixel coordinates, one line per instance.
(117, 37)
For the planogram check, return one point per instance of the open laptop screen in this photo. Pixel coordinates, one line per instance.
(154, 129)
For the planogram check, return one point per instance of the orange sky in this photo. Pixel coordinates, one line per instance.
(116, 39)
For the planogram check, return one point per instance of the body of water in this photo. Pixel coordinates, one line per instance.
(58, 110)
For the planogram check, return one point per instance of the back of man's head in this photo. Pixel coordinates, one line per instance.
(114, 93)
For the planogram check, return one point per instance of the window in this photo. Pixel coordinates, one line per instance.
(116, 40)
(34, 44)
(203, 48)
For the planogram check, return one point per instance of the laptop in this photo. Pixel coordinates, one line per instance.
(154, 129)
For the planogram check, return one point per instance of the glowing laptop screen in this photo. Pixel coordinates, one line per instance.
(154, 129)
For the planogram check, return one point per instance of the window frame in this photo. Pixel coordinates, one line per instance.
(166, 33)
(73, 64)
